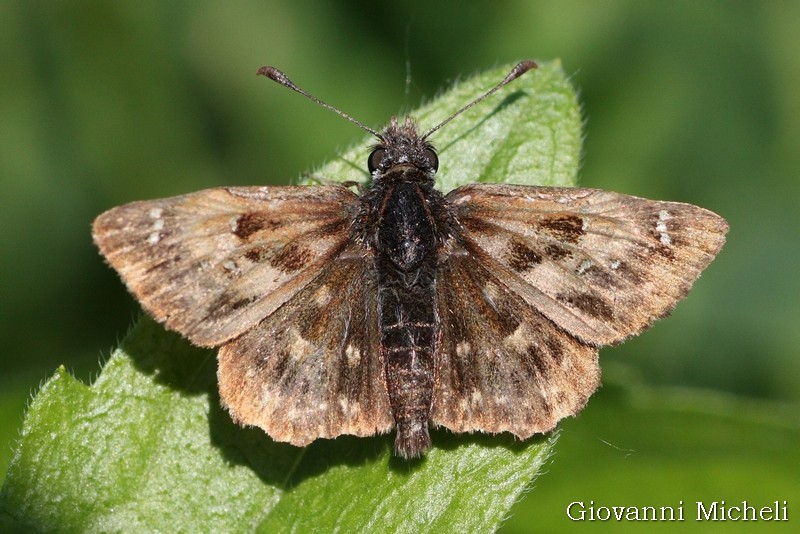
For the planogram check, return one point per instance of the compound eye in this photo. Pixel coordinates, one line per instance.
(432, 159)
(375, 159)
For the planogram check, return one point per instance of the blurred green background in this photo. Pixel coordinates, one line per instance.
(105, 103)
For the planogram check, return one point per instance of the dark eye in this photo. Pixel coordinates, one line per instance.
(432, 159)
(375, 159)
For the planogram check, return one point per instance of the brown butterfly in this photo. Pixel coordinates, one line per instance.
(402, 307)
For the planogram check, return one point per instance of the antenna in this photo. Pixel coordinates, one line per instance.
(278, 76)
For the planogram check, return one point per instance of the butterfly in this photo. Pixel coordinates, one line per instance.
(398, 306)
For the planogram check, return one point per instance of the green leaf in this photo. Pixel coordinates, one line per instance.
(147, 446)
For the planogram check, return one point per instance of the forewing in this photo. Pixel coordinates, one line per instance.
(602, 266)
(212, 264)
(313, 368)
(501, 365)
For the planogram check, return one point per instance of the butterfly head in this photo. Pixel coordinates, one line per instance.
(401, 146)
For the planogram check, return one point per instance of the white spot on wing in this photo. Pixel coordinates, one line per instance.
(585, 264)
(349, 408)
(323, 296)
(518, 338)
(463, 348)
(158, 224)
(353, 355)
(299, 347)
(230, 266)
(661, 227)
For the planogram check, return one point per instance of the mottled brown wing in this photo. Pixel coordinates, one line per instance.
(212, 264)
(601, 266)
(501, 365)
(313, 368)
